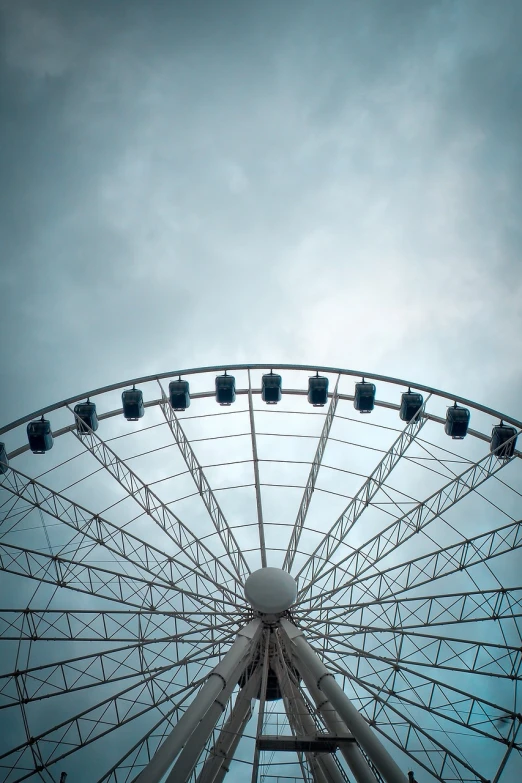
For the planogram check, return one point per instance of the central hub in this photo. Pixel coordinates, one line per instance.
(270, 590)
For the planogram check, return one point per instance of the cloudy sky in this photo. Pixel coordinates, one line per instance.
(190, 183)
(196, 183)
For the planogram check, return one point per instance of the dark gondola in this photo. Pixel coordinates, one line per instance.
(457, 422)
(318, 390)
(364, 399)
(4, 462)
(40, 436)
(179, 395)
(86, 418)
(132, 401)
(411, 403)
(503, 441)
(271, 385)
(225, 389)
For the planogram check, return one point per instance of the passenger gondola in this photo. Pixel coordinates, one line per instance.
(503, 441)
(179, 395)
(132, 401)
(364, 399)
(4, 462)
(271, 385)
(411, 403)
(86, 418)
(225, 389)
(457, 422)
(318, 390)
(40, 436)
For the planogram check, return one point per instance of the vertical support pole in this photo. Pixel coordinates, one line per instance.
(235, 659)
(217, 765)
(262, 699)
(262, 545)
(352, 754)
(188, 758)
(306, 658)
(302, 723)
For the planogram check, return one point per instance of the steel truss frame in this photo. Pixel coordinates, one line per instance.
(178, 612)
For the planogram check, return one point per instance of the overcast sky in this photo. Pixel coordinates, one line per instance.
(189, 183)
(195, 183)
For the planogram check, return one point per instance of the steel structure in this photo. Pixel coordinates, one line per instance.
(130, 651)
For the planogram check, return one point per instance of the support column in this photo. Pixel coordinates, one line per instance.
(218, 763)
(236, 658)
(302, 723)
(306, 658)
(188, 758)
(352, 753)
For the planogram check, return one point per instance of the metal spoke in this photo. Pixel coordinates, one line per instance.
(310, 484)
(422, 649)
(95, 528)
(429, 611)
(199, 555)
(259, 504)
(435, 565)
(221, 525)
(365, 557)
(89, 625)
(98, 582)
(318, 561)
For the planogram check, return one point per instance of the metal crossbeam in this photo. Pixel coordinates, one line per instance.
(422, 649)
(310, 484)
(505, 603)
(88, 625)
(435, 565)
(99, 582)
(221, 525)
(365, 557)
(321, 557)
(93, 527)
(201, 558)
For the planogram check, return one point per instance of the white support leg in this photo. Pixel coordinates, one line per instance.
(211, 690)
(302, 723)
(352, 754)
(218, 763)
(306, 658)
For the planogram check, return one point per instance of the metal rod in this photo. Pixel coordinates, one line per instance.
(262, 700)
(262, 544)
(307, 658)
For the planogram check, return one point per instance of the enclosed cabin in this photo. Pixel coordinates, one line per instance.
(318, 391)
(271, 386)
(86, 418)
(179, 395)
(4, 462)
(364, 399)
(132, 401)
(457, 422)
(503, 441)
(411, 403)
(40, 436)
(225, 389)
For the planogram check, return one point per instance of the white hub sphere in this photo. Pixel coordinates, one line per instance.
(270, 590)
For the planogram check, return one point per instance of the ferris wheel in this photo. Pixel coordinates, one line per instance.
(261, 573)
